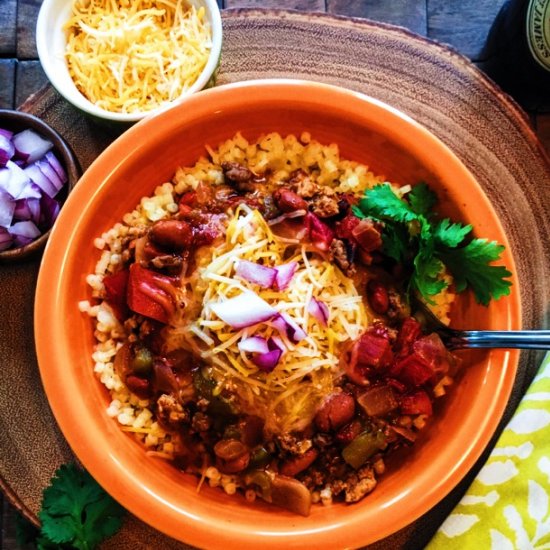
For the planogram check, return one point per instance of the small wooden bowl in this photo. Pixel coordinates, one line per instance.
(16, 121)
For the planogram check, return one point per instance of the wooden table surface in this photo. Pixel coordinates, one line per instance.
(463, 24)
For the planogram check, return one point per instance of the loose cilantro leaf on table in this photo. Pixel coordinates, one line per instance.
(413, 236)
(76, 512)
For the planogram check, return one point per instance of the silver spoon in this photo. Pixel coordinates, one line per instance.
(461, 339)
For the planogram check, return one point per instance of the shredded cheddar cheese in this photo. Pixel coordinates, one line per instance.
(136, 55)
(288, 396)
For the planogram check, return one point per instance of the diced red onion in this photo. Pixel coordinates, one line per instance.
(266, 353)
(6, 133)
(284, 275)
(47, 169)
(30, 146)
(27, 209)
(7, 209)
(30, 191)
(35, 208)
(244, 310)
(255, 273)
(49, 210)
(319, 310)
(285, 325)
(7, 150)
(13, 179)
(6, 239)
(56, 165)
(253, 344)
(267, 361)
(275, 342)
(24, 232)
(38, 177)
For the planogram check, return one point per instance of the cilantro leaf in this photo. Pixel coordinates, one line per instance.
(76, 511)
(395, 239)
(381, 203)
(427, 267)
(422, 199)
(469, 266)
(450, 234)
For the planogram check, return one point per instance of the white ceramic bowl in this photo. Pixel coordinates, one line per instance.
(51, 42)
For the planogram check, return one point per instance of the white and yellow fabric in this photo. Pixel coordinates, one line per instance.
(507, 507)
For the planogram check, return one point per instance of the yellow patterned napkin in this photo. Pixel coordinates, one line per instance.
(507, 505)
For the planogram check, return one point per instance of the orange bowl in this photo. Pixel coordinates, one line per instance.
(148, 154)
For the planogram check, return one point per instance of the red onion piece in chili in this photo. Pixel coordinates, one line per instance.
(285, 325)
(244, 310)
(267, 361)
(319, 310)
(255, 273)
(274, 342)
(254, 344)
(284, 274)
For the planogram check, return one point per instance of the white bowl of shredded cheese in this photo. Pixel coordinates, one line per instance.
(126, 59)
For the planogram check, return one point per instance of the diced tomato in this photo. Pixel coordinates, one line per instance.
(150, 293)
(412, 370)
(374, 351)
(344, 228)
(409, 332)
(320, 234)
(367, 235)
(433, 352)
(115, 290)
(416, 403)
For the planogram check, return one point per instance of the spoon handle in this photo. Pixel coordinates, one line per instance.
(522, 339)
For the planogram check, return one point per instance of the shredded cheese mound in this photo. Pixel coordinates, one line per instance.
(287, 397)
(136, 55)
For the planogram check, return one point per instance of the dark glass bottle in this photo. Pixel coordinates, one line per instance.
(517, 52)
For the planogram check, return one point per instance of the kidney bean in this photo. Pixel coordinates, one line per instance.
(299, 463)
(233, 466)
(173, 235)
(288, 201)
(378, 296)
(140, 386)
(229, 449)
(337, 409)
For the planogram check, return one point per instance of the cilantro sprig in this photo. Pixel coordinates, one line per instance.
(76, 512)
(415, 237)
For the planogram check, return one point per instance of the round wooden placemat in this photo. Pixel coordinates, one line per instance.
(431, 83)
